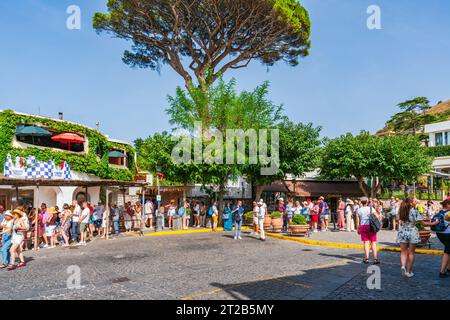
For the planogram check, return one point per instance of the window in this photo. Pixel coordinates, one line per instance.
(438, 139)
(446, 138)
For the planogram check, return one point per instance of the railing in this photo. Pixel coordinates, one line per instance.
(421, 194)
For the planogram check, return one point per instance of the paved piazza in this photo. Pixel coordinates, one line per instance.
(214, 266)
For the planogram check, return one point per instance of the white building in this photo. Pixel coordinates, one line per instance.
(439, 135)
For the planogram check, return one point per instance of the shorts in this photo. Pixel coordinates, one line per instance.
(255, 220)
(315, 218)
(98, 223)
(17, 239)
(90, 221)
(50, 231)
(445, 239)
(83, 227)
(215, 218)
(366, 234)
(327, 217)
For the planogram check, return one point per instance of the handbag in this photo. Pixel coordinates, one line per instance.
(225, 216)
(375, 224)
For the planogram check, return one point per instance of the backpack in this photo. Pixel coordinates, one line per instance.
(210, 211)
(375, 224)
(441, 226)
(181, 211)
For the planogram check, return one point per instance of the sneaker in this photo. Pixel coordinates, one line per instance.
(84, 243)
(239, 238)
(404, 271)
(235, 238)
(443, 275)
(409, 274)
(45, 246)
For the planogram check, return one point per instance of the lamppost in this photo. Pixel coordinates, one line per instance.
(159, 217)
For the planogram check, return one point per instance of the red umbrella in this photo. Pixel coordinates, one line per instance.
(68, 138)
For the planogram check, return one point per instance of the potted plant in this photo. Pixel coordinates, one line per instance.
(298, 226)
(248, 217)
(277, 221)
(423, 233)
(267, 222)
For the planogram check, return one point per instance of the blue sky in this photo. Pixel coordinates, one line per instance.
(352, 80)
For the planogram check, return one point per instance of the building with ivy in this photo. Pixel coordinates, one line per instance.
(70, 161)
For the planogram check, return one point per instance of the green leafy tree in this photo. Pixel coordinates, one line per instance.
(384, 158)
(202, 39)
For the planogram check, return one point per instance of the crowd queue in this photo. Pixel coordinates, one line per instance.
(78, 223)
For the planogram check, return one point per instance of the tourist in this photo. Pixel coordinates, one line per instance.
(227, 217)
(238, 212)
(196, 210)
(289, 212)
(368, 237)
(75, 227)
(305, 211)
(298, 208)
(65, 224)
(149, 211)
(115, 214)
(314, 212)
(2, 213)
(408, 235)
(98, 217)
(341, 214)
(444, 236)
(84, 221)
(172, 209)
(261, 216)
(355, 214)
(430, 208)
(350, 226)
(324, 214)
(50, 230)
(91, 220)
(203, 214)
(45, 218)
(20, 226)
(137, 218)
(6, 227)
(281, 207)
(37, 221)
(128, 217)
(214, 216)
(255, 218)
(187, 215)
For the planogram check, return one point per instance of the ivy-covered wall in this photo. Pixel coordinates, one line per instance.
(89, 162)
(440, 151)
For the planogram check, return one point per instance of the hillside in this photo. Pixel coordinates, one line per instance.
(441, 111)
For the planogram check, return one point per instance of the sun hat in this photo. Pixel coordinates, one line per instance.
(321, 198)
(52, 210)
(19, 212)
(261, 202)
(364, 199)
(280, 199)
(305, 203)
(8, 214)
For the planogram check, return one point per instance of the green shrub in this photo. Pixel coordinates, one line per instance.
(298, 219)
(248, 215)
(276, 214)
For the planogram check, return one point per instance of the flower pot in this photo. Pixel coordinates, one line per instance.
(424, 235)
(267, 223)
(277, 225)
(249, 220)
(298, 229)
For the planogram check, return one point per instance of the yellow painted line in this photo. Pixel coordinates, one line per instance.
(347, 245)
(172, 232)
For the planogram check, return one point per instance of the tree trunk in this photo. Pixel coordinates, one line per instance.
(259, 191)
(361, 186)
(221, 194)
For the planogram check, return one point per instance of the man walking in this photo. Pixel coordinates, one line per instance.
(261, 215)
(237, 212)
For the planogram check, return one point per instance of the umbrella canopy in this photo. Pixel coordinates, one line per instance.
(68, 138)
(116, 154)
(33, 131)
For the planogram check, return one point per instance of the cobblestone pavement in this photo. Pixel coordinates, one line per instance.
(214, 266)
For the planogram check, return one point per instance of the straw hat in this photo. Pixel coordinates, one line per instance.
(52, 210)
(18, 212)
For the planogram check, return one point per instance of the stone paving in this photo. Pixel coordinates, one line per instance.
(214, 266)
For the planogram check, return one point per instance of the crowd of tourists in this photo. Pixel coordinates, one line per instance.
(78, 223)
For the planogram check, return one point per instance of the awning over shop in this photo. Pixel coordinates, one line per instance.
(32, 131)
(277, 186)
(65, 183)
(116, 154)
(325, 188)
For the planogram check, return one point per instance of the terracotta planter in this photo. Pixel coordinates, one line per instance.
(277, 225)
(298, 230)
(267, 223)
(425, 235)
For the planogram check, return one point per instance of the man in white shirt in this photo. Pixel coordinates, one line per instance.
(74, 230)
(84, 219)
(149, 209)
(261, 215)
